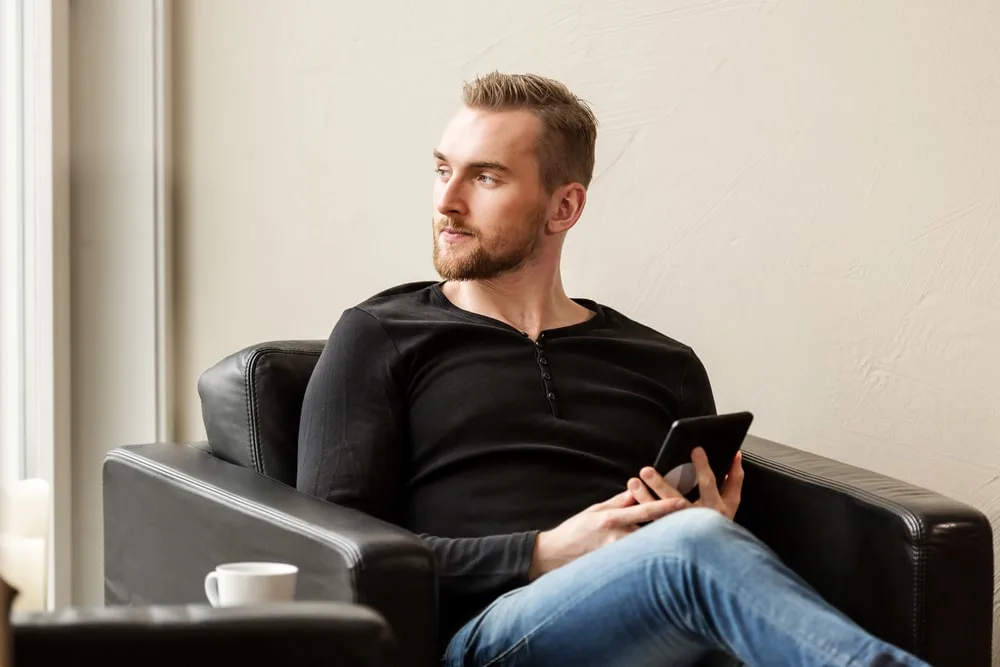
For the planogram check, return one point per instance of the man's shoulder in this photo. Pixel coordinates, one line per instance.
(412, 292)
(399, 302)
(388, 314)
(631, 328)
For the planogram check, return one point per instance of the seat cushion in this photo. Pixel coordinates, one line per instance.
(251, 402)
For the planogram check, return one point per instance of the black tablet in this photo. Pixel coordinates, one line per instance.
(721, 436)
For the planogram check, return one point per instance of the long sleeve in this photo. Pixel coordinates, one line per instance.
(482, 565)
(352, 415)
(350, 450)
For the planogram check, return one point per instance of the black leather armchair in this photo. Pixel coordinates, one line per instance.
(910, 565)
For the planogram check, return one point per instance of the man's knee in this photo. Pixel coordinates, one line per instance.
(697, 533)
(672, 553)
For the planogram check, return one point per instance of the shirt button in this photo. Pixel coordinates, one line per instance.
(543, 361)
(546, 376)
(552, 396)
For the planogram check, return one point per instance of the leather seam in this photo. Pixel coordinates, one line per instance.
(253, 408)
(258, 510)
(913, 522)
(920, 601)
(250, 401)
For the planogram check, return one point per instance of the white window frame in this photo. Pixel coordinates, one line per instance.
(11, 242)
(34, 262)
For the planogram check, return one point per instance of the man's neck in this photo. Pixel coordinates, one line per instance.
(529, 303)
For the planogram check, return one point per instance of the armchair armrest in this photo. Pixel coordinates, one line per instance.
(173, 512)
(909, 565)
(300, 634)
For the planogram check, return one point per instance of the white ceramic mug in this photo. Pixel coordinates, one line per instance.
(240, 584)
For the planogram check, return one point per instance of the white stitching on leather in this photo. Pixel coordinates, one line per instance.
(253, 410)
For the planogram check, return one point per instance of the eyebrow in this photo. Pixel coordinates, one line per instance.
(493, 166)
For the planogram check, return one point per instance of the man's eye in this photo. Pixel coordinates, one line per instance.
(487, 179)
(441, 171)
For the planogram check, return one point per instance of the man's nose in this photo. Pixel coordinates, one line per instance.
(450, 199)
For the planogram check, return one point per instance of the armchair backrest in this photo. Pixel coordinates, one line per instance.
(251, 402)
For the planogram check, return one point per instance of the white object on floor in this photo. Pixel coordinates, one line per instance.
(24, 529)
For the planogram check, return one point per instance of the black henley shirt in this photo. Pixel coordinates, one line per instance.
(463, 430)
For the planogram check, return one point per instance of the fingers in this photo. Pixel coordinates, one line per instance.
(645, 512)
(623, 499)
(733, 486)
(708, 490)
(660, 486)
(640, 491)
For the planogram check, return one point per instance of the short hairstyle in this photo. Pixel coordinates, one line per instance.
(566, 146)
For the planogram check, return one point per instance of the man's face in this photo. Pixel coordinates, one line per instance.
(490, 206)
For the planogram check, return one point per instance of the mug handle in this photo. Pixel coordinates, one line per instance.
(212, 588)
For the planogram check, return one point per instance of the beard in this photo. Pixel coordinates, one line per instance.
(485, 258)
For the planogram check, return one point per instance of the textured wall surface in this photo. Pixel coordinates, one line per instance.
(805, 191)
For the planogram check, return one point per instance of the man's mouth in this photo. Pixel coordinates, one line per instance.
(452, 235)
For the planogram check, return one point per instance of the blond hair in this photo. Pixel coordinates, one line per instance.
(569, 128)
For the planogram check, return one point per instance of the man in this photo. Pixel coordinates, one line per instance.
(510, 426)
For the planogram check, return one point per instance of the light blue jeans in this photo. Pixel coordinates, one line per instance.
(675, 592)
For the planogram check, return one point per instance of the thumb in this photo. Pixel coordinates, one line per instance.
(618, 501)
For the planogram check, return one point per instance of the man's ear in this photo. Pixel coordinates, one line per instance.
(567, 206)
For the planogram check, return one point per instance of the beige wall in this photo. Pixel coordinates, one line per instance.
(807, 192)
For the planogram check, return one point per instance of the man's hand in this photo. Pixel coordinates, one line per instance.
(708, 491)
(595, 527)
